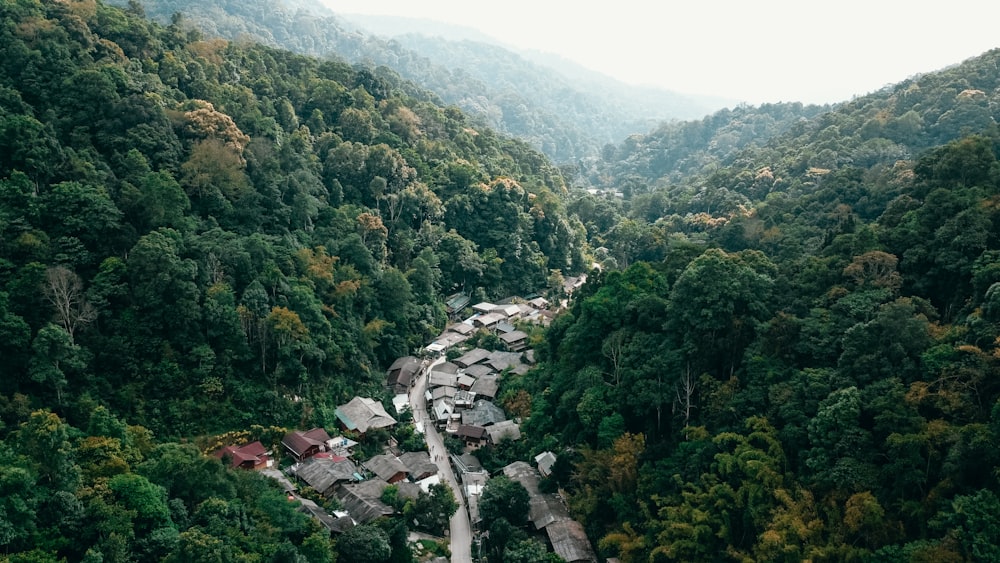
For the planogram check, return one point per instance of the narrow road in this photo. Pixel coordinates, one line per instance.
(461, 531)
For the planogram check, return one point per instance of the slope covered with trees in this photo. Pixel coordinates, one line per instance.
(795, 357)
(790, 354)
(188, 219)
(566, 118)
(198, 236)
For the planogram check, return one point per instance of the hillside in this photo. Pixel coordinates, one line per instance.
(203, 240)
(186, 217)
(565, 118)
(789, 351)
(792, 354)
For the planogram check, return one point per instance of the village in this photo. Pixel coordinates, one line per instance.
(448, 394)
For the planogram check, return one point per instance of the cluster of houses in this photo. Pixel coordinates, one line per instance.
(325, 463)
(547, 513)
(459, 397)
(497, 318)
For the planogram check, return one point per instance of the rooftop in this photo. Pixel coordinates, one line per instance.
(462, 328)
(386, 467)
(418, 464)
(299, 442)
(483, 307)
(479, 370)
(362, 500)
(363, 414)
(502, 360)
(504, 430)
(472, 432)
(570, 542)
(511, 337)
(545, 461)
(472, 357)
(486, 386)
(483, 413)
(457, 302)
(324, 473)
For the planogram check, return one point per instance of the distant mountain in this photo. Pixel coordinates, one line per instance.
(395, 26)
(897, 123)
(552, 109)
(608, 109)
(647, 101)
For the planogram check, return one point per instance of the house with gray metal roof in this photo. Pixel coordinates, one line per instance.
(362, 414)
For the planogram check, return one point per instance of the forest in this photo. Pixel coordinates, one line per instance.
(787, 351)
(563, 116)
(197, 237)
(792, 349)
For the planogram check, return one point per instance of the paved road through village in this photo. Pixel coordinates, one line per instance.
(461, 532)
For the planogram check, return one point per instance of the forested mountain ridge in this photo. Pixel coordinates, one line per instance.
(184, 216)
(899, 122)
(739, 166)
(565, 118)
(198, 237)
(793, 353)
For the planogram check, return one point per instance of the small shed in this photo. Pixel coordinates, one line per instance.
(539, 303)
(545, 461)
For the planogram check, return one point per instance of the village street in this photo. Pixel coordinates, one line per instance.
(461, 532)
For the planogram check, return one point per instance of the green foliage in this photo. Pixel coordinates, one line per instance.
(365, 544)
(431, 512)
(504, 498)
(239, 226)
(804, 338)
(789, 353)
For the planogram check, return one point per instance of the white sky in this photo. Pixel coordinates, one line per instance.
(752, 51)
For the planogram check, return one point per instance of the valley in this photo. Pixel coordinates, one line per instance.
(222, 222)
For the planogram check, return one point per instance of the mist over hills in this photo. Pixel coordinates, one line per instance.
(565, 117)
(436, 40)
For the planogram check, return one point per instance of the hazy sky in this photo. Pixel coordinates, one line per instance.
(752, 51)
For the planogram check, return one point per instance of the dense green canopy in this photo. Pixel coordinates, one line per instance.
(788, 352)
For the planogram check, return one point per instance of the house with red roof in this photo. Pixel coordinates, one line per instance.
(305, 444)
(250, 456)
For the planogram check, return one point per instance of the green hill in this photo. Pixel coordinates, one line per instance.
(789, 352)
(791, 356)
(562, 115)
